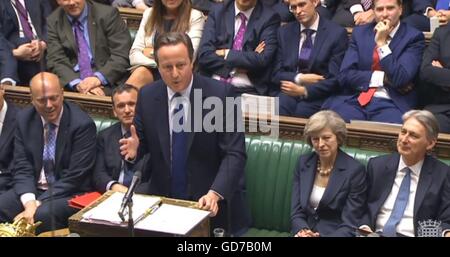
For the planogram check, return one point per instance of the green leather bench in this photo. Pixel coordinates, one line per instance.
(269, 172)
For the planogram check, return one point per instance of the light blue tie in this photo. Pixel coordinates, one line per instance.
(390, 227)
(49, 152)
(442, 4)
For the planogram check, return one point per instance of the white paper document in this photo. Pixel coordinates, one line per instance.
(107, 211)
(173, 219)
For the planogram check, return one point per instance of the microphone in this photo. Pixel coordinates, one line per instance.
(129, 194)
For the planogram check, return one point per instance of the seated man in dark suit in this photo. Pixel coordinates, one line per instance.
(410, 186)
(421, 11)
(111, 171)
(379, 68)
(435, 73)
(54, 153)
(23, 36)
(238, 45)
(89, 46)
(8, 114)
(310, 52)
(187, 161)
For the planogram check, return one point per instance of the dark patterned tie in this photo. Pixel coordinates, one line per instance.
(305, 51)
(23, 17)
(179, 155)
(390, 228)
(84, 61)
(48, 157)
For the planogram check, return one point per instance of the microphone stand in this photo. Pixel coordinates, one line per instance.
(130, 217)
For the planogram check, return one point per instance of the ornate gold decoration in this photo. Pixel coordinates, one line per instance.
(20, 228)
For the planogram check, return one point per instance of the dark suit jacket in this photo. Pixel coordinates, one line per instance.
(108, 164)
(432, 200)
(7, 146)
(400, 67)
(109, 38)
(9, 39)
(346, 4)
(326, 57)
(215, 160)
(437, 79)
(74, 154)
(219, 33)
(342, 204)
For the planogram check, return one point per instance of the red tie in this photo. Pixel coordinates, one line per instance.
(365, 97)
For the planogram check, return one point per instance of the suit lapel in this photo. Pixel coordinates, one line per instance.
(163, 120)
(191, 134)
(115, 154)
(12, 14)
(66, 28)
(35, 15)
(425, 179)
(399, 35)
(62, 137)
(318, 42)
(229, 24)
(389, 172)
(293, 43)
(253, 20)
(336, 180)
(92, 29)
(307, 175)
(36, 140)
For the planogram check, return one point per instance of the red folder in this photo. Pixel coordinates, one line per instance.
(82, 201)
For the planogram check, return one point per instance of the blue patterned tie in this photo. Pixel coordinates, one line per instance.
(442, 4)
(84, 62)
(178, 186)
(23, 17)
(401, 201)
(305, 51)
(48, 157)
(127, 171)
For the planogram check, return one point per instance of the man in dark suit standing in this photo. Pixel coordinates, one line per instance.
(188, 159)
(7, 127)
(410, 186)
(89, 46)
(435, 73)
(111, 171)
(379, 68)
(308, 77)
(238, 45)
(53, 155)
(23, 36)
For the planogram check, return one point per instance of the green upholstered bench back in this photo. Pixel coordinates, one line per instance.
(102, 123)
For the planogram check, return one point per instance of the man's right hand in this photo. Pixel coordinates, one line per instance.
(310, 78)
(119, 188)
(129, 146)
(30, 209)
(25, 52)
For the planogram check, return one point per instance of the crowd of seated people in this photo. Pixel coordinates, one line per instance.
(241, 47)
(296, 50)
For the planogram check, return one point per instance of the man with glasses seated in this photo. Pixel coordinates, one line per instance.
(54, 153)
(310, 52)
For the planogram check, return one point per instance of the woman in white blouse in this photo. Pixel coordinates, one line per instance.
(164, 16)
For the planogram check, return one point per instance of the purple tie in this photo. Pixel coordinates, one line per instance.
(366, 4)
(83, 55)
(305, 51)
(23, 17)
(238, 39)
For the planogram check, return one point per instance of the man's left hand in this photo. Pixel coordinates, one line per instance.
(292, 89)
(208, 202)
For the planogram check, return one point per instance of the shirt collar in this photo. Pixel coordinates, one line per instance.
(185, 93)
(83, 16)
(416, 168)
(56, 123)
(394, 31)
(247, 13)
(3, 112)
(314, 26)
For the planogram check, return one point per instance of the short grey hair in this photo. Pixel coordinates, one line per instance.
(427, 119)
(326, 119)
